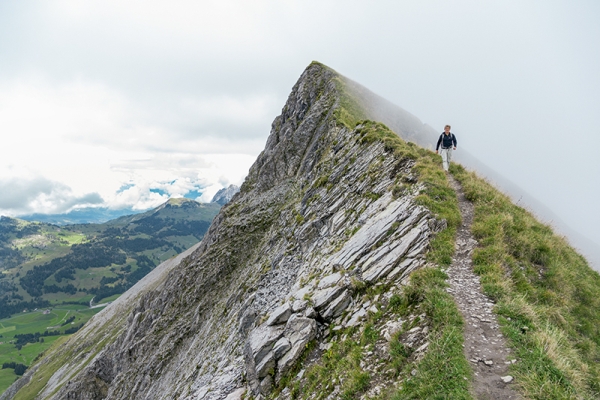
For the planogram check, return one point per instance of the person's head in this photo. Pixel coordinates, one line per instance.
(447, 128)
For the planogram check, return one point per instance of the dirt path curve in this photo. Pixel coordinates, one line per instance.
(485, 346)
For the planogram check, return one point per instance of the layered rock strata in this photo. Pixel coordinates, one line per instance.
(316, 218)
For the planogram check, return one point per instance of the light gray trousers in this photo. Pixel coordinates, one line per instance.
(446, 157)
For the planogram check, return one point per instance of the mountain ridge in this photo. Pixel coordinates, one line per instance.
(328, 259)
(30, 246)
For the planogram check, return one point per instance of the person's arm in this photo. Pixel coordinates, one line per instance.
(438, 144)
(454, 140)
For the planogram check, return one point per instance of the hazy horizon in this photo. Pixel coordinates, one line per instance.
(121, 105)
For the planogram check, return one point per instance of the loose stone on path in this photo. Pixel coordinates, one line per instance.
(485, 346)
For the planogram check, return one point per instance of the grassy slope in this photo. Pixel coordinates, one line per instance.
(444, 371)
(77, 351)
(30, 323)
(548, 298)
(51, 242)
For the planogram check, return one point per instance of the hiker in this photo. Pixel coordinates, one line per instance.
(448, 142)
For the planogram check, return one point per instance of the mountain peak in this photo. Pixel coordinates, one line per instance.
(335, 248)
(225, 195)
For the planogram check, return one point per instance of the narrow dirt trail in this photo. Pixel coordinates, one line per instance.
(485, 346)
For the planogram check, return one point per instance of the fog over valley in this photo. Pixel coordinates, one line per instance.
(122, 106)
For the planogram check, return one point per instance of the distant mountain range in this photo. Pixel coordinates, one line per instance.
(333, 274)
(336, 272)
(100, 215)
(92, 215)
(44, 264)
(224, 195)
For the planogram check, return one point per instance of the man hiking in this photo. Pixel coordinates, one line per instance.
(448, 141)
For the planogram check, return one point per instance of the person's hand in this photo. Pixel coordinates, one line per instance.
(436, 152)
(454, 148)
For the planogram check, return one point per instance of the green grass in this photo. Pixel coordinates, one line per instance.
(548, 298)
(339, 366)
(7, 329)
(438, 197)
(443, 373)
(349, 111)
(7, 377)
(111, 298)
(30, 323)
(31, 390)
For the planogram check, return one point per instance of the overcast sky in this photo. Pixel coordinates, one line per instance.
(125, 103)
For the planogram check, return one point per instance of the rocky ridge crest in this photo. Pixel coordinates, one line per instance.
(322, 214)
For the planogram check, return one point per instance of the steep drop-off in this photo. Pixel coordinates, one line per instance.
(319, 279)
(325, 210)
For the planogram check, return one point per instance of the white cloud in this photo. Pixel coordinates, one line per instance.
(148, 91)
(37, 194)
(92, 139)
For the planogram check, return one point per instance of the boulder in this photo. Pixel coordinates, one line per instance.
(266, 365)
(299, 306)
(329, 280)
(358, 316)
(323, 297)
(281, 347)
(266, 385)
(299, 331)
(310, 313)
(280, 315)
(261, 340)
(337, 306)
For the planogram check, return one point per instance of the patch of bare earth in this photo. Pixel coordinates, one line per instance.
(485, 346)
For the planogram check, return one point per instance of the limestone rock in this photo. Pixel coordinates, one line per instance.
(236, 394)
(337, 306)
(299, 331)
(281, 347)
(310, 313)
(259, 359)
(330, 280)
(280, 315)
(266, 384)
(356, 318)
(266, 365)
(299, 306)
(323, 297)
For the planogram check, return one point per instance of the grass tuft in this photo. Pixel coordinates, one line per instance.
(548, 298)
(443, 373)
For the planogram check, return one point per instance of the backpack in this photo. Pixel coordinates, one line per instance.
(451, 142)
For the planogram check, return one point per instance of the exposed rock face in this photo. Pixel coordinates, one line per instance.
(315, 216)
(225, 195)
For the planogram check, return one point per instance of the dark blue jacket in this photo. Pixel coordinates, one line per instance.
(446, 141)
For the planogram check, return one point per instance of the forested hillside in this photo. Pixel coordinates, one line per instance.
(44, 264)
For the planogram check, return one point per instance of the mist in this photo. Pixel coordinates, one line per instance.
(100, 95)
